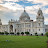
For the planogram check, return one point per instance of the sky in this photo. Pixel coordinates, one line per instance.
(12, 9)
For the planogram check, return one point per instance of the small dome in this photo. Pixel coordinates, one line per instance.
(24, 16)
(40, 12)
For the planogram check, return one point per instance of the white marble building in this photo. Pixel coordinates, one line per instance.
(24, 24)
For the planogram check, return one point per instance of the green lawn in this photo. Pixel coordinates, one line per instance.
(23, 41)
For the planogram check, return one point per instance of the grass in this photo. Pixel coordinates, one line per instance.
(23, 41)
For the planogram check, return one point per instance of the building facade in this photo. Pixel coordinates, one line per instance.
(24, 24)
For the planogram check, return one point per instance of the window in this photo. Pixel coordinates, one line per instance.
(33, 30)
(39, 24)
(39, 19)
(18, 26)
(18, 30)
(15, 30)
(4, 27)
(29, 30)
(29, 25)
(39, 29)
(43, 22)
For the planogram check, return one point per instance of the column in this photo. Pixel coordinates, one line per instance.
(24, 27)
(8, 28)
(31, 28)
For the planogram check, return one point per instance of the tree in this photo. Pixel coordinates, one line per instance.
(22, 33)
(27, 33)
(47, 34)
(18, 33)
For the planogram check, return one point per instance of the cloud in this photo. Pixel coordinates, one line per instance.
(46, 11)
(10, 11)
(3, 12)
(43, 2)
(1, 1)
(7, 14)
(46, 21)
(12, 6)
(3, 8)
(30, 10)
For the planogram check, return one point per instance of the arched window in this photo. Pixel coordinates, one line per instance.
(39, 24)
(11, 28)
(39, 29)
(15, 30)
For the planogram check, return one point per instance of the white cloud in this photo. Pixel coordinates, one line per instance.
(1, 1)
(31, 10)
(7, 14)
(45, 11)
(46, 20)
(43, 2)
(3, 8)
(12, 6)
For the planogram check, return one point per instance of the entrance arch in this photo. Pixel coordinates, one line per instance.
(11, 28)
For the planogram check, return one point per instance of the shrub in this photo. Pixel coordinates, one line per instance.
(31, 34)
(47, 34)
(22, 33)
(2, 33)
(27, 33)
(11, 33)
(41, 34)
(18, 33)
(6, 33)
(35, 34)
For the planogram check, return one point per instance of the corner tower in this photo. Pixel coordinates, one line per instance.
(40, 22)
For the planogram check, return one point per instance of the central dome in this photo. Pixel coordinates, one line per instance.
(24, 16)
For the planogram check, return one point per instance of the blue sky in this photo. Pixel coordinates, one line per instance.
(12, 9)
(26, 3)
